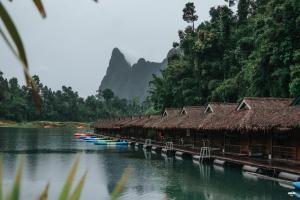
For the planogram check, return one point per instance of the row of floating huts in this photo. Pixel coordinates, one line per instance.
(258, 131)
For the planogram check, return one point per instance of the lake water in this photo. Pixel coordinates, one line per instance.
(51, 152)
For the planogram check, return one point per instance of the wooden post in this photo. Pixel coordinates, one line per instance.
(272, 132)
(194, 138)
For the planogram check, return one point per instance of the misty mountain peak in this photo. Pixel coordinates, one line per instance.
(116, 52)
(141, 61)
(128, 81)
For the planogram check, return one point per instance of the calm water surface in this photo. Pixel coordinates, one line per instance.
(50, 153)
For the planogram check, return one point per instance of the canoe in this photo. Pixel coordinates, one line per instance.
(89, 137)
(95, 139)
(79, 134)
(296, 185)
(111, 143)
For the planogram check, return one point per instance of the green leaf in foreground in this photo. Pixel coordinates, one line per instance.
(15, 193)
(77, 192)
(68, 184)
(121, 183)
(1, 178)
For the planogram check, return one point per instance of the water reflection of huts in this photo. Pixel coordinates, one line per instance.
(264, 131)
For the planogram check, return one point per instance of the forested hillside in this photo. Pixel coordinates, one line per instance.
(254, 51)
(63, 105)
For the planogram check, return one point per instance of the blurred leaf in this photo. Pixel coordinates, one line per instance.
(20, 53)
(78, 189)
(1, 178)
(68, 184)
(12, 30)
(121, 183)
(15, 193)
(6, 40)
(44, 195)
(39, 5)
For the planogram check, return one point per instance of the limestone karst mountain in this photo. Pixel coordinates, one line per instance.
(128, 81)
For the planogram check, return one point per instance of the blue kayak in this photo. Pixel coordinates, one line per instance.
(296, 185)
(111, 143)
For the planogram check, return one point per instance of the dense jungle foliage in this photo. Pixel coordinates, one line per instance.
(63, 105)
(248, 48)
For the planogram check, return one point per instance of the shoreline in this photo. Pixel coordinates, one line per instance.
(45, 124)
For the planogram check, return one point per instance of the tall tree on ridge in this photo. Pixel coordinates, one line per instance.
(189, 14)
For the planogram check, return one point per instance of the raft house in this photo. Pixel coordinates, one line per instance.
(262, 135)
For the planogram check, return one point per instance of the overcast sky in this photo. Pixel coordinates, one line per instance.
(72, 46)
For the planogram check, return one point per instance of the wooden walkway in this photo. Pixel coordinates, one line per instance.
(271, 165)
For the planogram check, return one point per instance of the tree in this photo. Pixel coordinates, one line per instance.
(107, 94)
(189, 14)
(254, 52)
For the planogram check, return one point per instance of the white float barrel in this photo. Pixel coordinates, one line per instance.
(289, 176)
(219, 162)
(249, 168)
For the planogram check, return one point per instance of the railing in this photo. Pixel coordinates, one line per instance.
(283, 152)
(169, 145)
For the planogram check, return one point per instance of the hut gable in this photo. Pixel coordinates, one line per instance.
(171, 111)
(184, 112)
(208, 109)
(193, 117)
(266, 102)
(191, 110)
(243, 106)
(216, 115)
(168, 115)
(220, 107)
(260, 114)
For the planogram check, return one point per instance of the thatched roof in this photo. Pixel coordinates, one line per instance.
(255, 113)
(140, 121)
(216, 114)
(170, 114)
(288, 117)
(193, 116)
(152, 120)
(133, 121)
(250, 113)
(107, 123)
